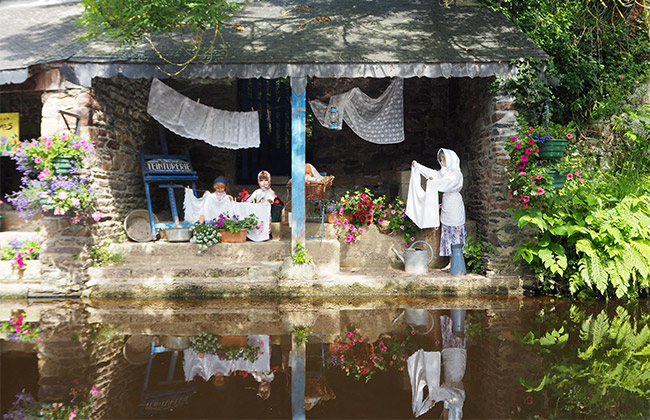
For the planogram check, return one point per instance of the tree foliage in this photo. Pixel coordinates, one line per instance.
(599, 52)
(134, 21)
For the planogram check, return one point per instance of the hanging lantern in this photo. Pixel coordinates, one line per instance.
(333, 118)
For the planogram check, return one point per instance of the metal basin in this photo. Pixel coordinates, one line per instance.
(178, 234)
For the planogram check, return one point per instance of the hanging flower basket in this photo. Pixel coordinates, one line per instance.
(552, 149)
(557, 179)
(62, 165)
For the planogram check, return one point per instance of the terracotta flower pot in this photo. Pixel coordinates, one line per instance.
(233, 341)
(333, 217)
(229, 237)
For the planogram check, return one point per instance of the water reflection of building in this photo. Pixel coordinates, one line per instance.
(88, 340)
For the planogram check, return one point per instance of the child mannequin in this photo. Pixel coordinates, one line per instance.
(221, 192)
(264, 194)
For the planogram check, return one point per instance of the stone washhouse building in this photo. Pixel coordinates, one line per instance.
(275, 54)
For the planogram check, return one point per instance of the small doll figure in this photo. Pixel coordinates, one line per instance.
(312, 174)
(221, 193)
(264, 194)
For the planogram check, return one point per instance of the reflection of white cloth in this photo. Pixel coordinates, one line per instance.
(424, 370)
(206, 367)
(183, 116)
(212, 208)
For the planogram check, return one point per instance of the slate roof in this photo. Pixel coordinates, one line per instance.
(280, 38)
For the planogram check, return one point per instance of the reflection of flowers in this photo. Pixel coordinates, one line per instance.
(79, 406)
(211, 344)
(18, 330)
(361, 359)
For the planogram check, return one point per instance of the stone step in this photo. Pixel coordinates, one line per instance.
(184, 254)
(170, 271)
(185, 287)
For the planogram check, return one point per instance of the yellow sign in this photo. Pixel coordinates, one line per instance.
(9, 132)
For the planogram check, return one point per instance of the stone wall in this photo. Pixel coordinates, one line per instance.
(485, 122)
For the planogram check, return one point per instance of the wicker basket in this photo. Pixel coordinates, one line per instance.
(315, 190)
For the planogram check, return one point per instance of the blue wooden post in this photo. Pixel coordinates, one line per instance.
(298, 85)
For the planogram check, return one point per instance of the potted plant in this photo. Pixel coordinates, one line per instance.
(234, 229)
(205, 235)
(48, 188)
(205, 343)
(552, 140)
(392, 219)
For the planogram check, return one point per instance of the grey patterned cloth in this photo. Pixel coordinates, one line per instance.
(379, 121)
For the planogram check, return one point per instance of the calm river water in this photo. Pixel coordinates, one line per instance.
(328, 358)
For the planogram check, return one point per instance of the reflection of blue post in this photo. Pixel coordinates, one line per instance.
(298, 85)
(297, 381)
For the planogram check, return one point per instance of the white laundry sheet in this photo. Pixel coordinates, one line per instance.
(185, 117)
(211, 208)
(207, 366)
(422, 206)
(424, 371)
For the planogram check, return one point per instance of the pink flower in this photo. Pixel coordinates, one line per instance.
(531, 129)
(345, 222)
(522, 165)
(524, 158)
(513, 139)
(73, 414)
(44, 174)
(531, 141)
(526, 199)
(569, 176)
(569, 136)
(94, 391)
(341, 211)
(540, 191)
(348, 238)
(518, 145)
(529, 151)
(536, 150)
(532, 177)
(522, 174)
(361, 340)
(392, 212)
(539, 177)
(38, 160)
(577, 173)
(346, 347)
(62, 195)
(75, 201)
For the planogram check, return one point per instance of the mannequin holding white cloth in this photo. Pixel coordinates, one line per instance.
(422, 206)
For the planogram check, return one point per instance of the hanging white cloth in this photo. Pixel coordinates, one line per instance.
(211, 208)
(379, 120)
(209, 364)
(187, 118)
(422, 206)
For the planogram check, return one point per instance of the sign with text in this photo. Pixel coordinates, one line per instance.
(9, 132)
(167, 165)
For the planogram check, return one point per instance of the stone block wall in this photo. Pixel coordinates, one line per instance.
(485, 122)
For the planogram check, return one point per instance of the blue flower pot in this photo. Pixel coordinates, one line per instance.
(552, 149)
